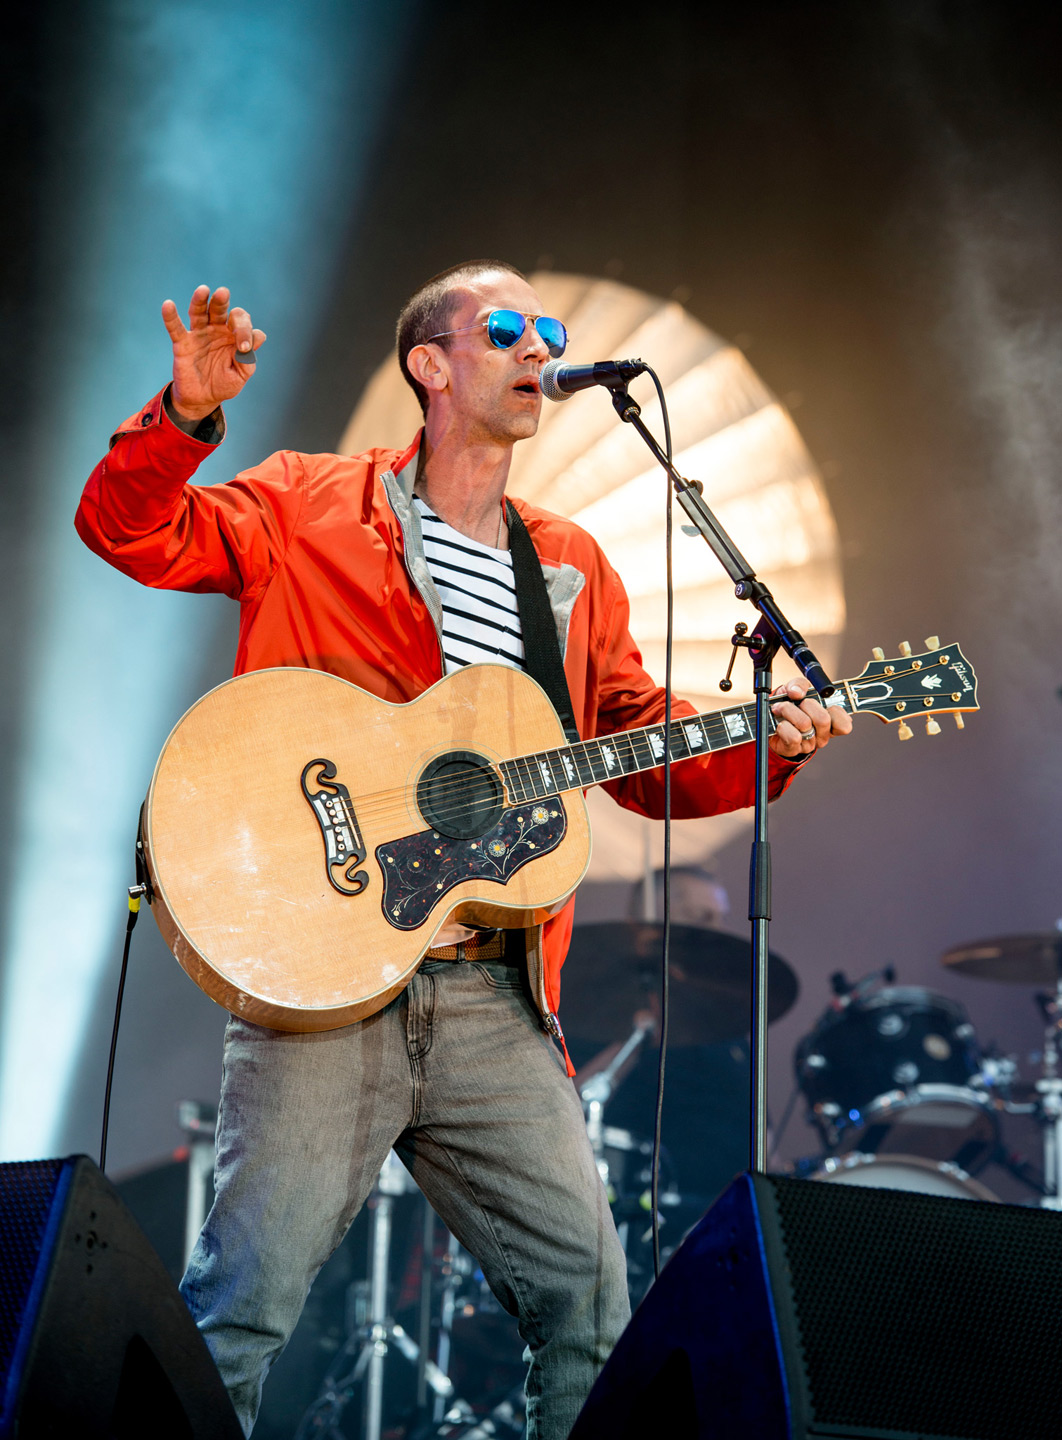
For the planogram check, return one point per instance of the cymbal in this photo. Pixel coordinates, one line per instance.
(1015, 959)
(613, 970)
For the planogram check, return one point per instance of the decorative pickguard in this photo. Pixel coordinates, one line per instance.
(419, 869)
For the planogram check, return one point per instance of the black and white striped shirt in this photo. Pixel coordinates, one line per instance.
(478, 593)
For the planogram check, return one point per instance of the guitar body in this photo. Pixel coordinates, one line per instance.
(306, 840)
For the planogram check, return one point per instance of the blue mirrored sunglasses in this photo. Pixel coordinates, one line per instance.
(505, 329)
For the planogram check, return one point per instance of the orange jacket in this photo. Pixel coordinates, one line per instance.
(324, 554)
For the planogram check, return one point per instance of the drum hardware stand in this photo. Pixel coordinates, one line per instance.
(452, 1281)
(427, 1257)
(369, 1342)
(1050, 1089)
(773, 631)
(198, 1121)
(998, 1072)
(507, 1418)
(449, 1415)
(848, 991)
(597, 1092)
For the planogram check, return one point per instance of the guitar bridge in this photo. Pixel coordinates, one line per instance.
(344, 848)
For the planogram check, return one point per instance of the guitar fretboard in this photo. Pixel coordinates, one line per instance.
(590, 762)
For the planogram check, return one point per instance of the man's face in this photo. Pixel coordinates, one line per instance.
(493, 394)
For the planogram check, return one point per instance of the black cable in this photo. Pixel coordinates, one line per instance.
(665, 959)
(135, 892)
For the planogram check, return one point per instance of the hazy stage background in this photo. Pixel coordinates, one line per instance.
(866, 199)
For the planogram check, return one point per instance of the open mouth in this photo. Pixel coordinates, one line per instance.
(527, 387)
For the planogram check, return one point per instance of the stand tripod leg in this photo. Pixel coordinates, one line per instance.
(427, 1265)
(381, 1254)
(446, 1324)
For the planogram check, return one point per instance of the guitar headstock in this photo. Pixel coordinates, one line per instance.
(939, 681)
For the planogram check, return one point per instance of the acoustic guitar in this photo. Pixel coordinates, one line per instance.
(305, 840)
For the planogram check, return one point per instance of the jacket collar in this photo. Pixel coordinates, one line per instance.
(404, 468)
(397, 481)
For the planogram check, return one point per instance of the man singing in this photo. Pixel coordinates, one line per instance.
(391, 569)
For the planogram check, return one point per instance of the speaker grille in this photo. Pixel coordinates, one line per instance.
(925, 1316)
(26, 1191)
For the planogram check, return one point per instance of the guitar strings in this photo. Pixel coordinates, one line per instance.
(711, 723)
(381, 804)
(392, 802)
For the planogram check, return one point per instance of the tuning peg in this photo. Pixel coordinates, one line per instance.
(959, 721)
(878, 653)
(932, 642)
(932, 728)
(905, 732)
(905, 647)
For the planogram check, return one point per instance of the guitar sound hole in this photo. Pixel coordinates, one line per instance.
(460, 795)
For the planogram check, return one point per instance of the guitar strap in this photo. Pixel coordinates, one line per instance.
(542, 656)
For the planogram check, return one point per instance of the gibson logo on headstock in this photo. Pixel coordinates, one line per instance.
(940, 681)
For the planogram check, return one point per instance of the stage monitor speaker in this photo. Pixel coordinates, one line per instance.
(797, 1309)
(95, 1340)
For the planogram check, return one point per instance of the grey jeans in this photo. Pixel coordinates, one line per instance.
(458, 1077)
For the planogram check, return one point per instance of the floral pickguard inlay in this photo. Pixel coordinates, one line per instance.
(419, 869)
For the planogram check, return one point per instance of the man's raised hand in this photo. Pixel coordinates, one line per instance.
(205, 368)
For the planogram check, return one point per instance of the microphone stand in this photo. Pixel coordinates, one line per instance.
(773, 632)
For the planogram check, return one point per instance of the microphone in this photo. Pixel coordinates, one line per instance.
(560, 382)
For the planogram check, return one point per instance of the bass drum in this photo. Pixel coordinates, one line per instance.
(896, 1072)
(949, 1123)
(911, 1173)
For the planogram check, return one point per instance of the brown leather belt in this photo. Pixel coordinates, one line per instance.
(488, 946)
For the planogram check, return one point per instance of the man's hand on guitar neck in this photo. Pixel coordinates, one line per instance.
(804, 724)
(206, 370)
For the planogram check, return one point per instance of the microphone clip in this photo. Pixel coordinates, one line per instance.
(623, 402)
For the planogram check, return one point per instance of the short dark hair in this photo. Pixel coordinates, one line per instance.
(429, 310)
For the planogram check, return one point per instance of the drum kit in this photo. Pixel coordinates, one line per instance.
(894, 1079)
(904, 1097)
(895, 1082)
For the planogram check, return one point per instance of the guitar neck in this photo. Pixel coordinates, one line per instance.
(592, 762)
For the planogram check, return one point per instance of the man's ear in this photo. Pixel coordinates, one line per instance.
(427, 364)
